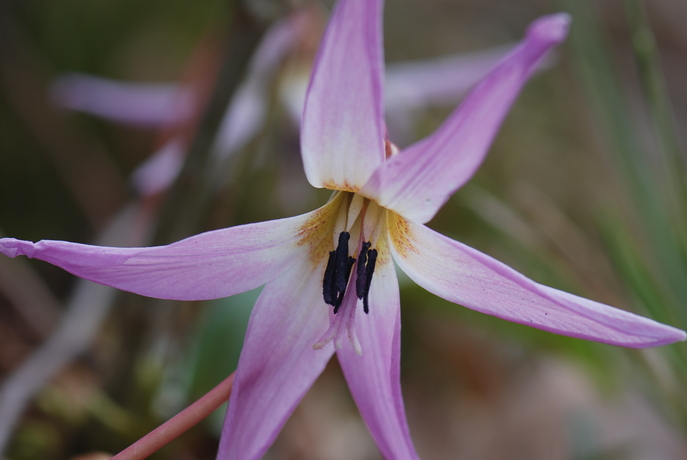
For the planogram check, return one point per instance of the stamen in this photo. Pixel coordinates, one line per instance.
(337, 273)
(371, 260)
(328, 290)
(360, 270)
(342, 326)
(364, 271)
(357, 205)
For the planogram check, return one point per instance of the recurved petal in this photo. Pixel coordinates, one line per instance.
(419, 180)
(246, 112)
(160, 170)
(278, 363)
(437, 81)
(210, 265)
(149, 104)
(342, 135)
(465, 276)
(374, 376)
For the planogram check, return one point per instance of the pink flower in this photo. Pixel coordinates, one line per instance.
(330, 281)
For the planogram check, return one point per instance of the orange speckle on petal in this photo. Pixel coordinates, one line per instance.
(345, 187)
(400, 234)
(316, 232)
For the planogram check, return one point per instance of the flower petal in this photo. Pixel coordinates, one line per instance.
(278, 363)
(342, 136)
(465, 276)
(246, 112)
(374, 376)
(438, 81)
(419, 180)
(243, 118)
(160, 170)
(413, 86)
(148, 104)
(214, 264)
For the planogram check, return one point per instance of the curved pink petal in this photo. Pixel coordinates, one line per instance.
(242, 119)
(342, 136)
(214, 264)
(437, 81)
(413, 86)
(149, 104)
(419, 180)
(246, 112)
(278, 363)
(374, 376)
(160, 170)
(467, 277)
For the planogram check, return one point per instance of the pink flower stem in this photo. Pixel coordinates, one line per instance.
(178, 424)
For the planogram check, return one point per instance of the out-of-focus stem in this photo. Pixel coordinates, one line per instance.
(178, 424)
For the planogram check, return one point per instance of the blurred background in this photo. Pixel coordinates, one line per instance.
(583, 190)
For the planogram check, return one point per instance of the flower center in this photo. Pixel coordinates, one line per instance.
(356, 232)
(338, 272)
